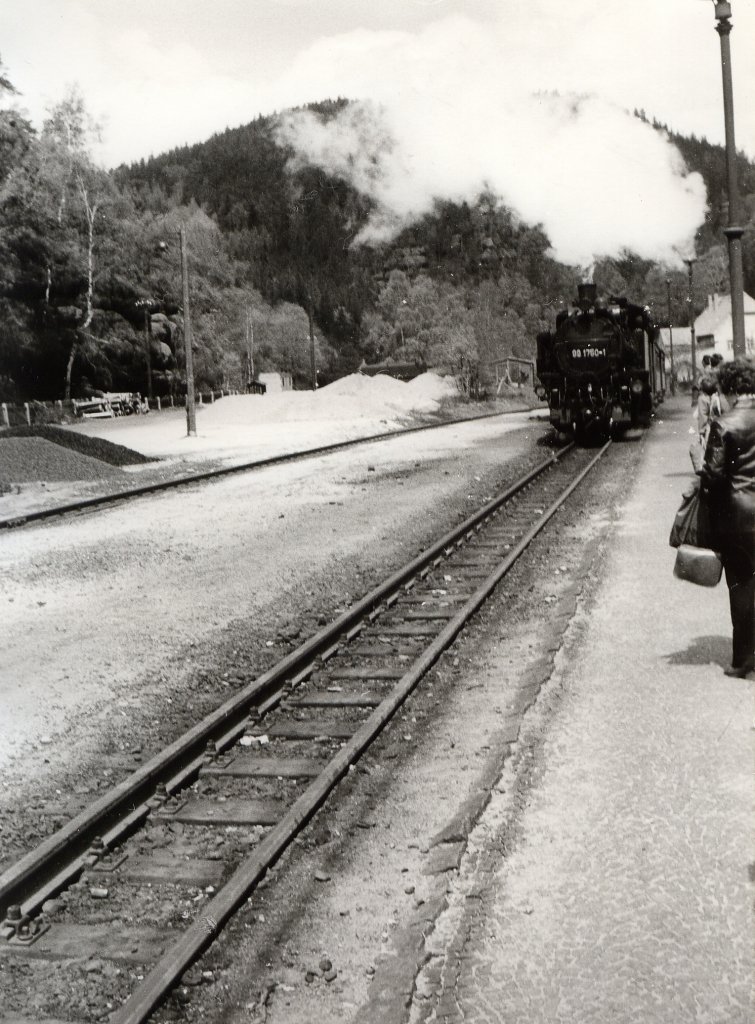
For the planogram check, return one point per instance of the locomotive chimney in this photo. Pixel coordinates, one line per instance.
(588, 295)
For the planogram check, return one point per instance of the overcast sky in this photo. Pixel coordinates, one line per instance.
(159, 73)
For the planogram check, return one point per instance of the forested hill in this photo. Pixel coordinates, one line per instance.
(240, 177)
(90, 289)
(290, 230)
(710, 160)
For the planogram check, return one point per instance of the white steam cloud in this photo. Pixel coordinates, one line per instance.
(440, 115)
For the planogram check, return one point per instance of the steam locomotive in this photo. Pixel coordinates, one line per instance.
(603, 368)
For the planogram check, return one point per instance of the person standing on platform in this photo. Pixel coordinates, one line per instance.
(728, 474)
(710, 405)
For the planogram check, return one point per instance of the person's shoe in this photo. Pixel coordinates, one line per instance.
(740, 671)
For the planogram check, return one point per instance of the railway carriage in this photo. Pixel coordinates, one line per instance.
(602, 369)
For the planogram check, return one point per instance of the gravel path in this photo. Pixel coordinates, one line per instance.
(123, 625)
(127, 624)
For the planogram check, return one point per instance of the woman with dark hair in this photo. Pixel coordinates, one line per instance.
(728, 474)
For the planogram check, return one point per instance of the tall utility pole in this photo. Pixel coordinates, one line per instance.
(670, 336)
(146, 306)
(312, 363)
(693, 355)
(191, 412)
(735, 230)
(250, 343)
(148, 350)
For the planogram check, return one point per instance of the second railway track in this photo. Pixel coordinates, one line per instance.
(207, 475)
(187, 837)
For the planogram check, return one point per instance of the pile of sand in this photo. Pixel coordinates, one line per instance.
(242, 427)
(351, 398)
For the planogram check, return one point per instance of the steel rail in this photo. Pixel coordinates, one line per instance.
(60, 858)
(201, 933)
(81, 504)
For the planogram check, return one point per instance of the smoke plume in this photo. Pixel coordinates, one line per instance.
(442, 115)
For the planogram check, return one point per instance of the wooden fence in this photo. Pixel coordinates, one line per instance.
(31, 413)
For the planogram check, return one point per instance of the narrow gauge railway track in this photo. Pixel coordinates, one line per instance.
(82, 504)
(212, 813)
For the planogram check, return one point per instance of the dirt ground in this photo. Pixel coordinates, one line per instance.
(123, 625)
(398, 827)
(145, 616)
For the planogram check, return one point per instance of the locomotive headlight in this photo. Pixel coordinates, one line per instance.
(637, 387)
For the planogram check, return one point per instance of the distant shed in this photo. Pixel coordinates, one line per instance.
(275, 381)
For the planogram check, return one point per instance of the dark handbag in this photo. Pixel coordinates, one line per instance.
(698, 565)
(692, 522)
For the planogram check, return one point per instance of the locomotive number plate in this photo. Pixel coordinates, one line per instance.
(589, 353)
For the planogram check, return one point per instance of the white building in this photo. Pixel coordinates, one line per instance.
(713, 334)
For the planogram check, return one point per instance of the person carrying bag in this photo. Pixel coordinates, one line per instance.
(692, 536)
(709, 407)
(728, 479)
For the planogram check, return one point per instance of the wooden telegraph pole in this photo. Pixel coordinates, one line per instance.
(148, 349)
(250, 344)
(670, 336)
(191, 413)
(693, 354)
(312, 364)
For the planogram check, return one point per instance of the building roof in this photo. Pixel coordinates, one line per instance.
(715, 319)
(679, 335)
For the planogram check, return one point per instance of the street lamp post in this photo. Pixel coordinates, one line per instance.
(693, 354)
(312, 360)
(734, 230)
(670, 336)
(146, 306)
(148, 350)
(191, 414)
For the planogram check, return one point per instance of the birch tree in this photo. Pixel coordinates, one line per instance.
(82, 189)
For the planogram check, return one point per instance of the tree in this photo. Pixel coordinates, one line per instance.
(60, 221)
(421, 321)
(6, 86)
(16, 135)
(15, 131)
(82, 190)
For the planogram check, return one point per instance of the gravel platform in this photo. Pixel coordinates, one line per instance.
(610, 877)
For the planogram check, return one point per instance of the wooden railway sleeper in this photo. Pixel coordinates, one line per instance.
(169, 969)
(220, 743)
